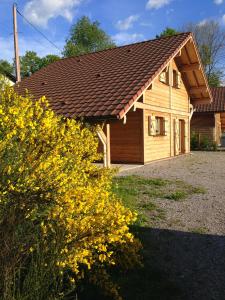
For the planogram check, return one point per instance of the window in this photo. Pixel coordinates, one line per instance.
(176, 79)
(164, 76)
(157, 126)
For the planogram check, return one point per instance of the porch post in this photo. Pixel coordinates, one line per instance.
(108, 153)
(105, 139)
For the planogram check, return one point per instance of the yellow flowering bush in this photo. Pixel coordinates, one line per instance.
(59, 220)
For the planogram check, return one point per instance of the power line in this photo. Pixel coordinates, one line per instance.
(35, 28)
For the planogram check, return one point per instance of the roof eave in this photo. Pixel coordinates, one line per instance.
(135, 98)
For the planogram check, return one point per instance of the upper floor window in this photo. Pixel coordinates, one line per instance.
(164, 76)
(176, 79)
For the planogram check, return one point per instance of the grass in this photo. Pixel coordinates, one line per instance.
(153, 280)
(199, 230)
(176, 196)
(141, 194)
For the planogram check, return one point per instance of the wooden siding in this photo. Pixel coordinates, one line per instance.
(177, 100)
(126, 140)
(222, 116)
(204, 124)
(156, 147)
(217, 128)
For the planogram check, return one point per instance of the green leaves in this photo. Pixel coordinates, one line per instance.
(86, 37)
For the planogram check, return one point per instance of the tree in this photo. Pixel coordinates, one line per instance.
(29, 63)
(167, 32)
(49, 59)
(210, 38)
(5, 67)
(59, 219)
(86, 37)
(215, 79)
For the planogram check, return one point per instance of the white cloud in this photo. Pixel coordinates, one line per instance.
(218, 2)
(127, 23)
(123, 38)
(146, 24)
(202, 23)
(39, 12)
(223, 19)
(155, 4)
(41, 47)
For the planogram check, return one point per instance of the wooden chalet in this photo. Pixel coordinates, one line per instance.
(141, 94)
(209, 119)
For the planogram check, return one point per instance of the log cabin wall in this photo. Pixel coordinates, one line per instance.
(222, 119)
(177, 101)
(204, 124)
(126, 140)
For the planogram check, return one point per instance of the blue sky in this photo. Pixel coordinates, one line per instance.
(127, 21)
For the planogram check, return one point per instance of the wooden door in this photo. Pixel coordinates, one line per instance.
(181, 136)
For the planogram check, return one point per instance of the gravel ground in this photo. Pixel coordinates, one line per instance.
(189, 245)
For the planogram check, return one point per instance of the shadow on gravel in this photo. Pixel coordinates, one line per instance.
(177, 265)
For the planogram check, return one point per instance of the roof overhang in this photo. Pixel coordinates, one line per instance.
(193, 75)
(189, 63)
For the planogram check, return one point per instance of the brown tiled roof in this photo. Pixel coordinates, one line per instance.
(218, 104)
(104, 83)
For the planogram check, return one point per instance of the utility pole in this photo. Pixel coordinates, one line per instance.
(16, 47)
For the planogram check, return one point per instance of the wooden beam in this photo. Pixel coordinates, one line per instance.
(108, 152)
(198, 89)
(178, 54)
(105, 140)
(189, 68)
(102, 138)
(161, 109)
(201, 101)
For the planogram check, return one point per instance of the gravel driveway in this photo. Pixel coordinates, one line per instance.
(189, 245)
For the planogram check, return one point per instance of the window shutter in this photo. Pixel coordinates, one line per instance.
(162, 77)
(176, 137)
(165, 126)
(151, 125)
(179, 81)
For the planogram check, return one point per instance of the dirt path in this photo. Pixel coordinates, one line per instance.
(188, 247)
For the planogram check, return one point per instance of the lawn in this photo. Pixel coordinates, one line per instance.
(143, 195)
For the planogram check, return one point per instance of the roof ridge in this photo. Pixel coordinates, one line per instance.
(123, 46)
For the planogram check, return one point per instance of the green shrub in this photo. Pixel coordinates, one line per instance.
(202, 143)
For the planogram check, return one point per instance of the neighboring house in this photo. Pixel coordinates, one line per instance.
(142, 94)
(208, 120)
(7, 77)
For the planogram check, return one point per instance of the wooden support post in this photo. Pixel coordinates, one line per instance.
(105, 139)
(16, 47)
(108, 153)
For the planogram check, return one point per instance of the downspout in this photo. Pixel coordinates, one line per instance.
(192, 110)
